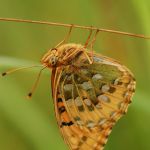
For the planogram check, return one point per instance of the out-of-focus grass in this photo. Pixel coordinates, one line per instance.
(15, 62)
(31, 124)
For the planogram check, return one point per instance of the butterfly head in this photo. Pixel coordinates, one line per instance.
(50, 59)
(61, 55)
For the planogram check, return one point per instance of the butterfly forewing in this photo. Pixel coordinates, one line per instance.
(90, 98)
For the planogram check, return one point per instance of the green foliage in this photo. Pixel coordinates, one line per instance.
(31, 124)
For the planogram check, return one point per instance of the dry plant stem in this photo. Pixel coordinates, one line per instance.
(75, 26)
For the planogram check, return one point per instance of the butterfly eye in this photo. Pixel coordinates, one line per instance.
(53, 60)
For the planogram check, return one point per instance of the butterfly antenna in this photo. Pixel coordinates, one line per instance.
(18, 69)
(36, 83)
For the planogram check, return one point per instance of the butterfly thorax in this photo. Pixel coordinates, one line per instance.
(63, 55)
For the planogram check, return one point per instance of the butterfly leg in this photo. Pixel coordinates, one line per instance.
(88, 38)
(66, 37)
(86, 45)
(92, 43)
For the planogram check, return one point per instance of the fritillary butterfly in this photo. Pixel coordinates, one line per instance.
(88, 98)
(91, 92)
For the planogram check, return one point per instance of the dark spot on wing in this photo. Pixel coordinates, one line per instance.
(62, 109)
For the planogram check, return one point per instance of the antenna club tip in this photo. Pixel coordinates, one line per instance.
(29, 95)
(4, 73)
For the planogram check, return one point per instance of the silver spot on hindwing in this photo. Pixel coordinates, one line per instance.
(87, 102)
(86, 86)
(68, 87)
(91, 124)
(117, 81)
(78, 101)
(131, 86)
(98, 106)
(69, 78)
(126, 94)
(104, 98)
(105, 88)
(97, 77)
(69, 102)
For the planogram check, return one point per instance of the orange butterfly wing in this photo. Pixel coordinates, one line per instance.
(89, 99)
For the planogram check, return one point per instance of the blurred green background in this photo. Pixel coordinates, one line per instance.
(31, 124)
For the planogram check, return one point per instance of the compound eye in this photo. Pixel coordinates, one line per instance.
(53, 60)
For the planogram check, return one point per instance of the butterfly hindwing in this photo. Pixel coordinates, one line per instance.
(89, 99)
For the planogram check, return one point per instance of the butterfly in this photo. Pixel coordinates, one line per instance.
(88, 98)
(91, 92)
